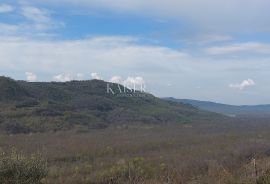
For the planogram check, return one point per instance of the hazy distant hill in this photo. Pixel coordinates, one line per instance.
(52, 106)
(225, 109)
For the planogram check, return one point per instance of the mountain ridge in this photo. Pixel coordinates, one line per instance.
(225, 108)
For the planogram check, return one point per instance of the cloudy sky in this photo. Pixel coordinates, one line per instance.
(209, 50)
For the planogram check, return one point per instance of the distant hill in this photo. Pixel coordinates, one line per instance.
(53, 106)
(224, 108)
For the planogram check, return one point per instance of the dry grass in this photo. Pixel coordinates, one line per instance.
(208, 153)
(15, 168)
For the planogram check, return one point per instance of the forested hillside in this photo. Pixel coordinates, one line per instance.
(53, 106)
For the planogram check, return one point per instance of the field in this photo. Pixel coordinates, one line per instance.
(232, 151)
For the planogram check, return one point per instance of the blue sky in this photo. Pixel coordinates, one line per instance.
(209, 50)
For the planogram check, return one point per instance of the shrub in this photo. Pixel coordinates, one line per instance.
(16, 168)
(135, 170)
(264, 179)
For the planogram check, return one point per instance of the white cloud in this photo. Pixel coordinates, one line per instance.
(40, 17)
(158, 65)
(116, 79)
(6, 29)
(6, 8)
(79, 76)
(102, 54)
(31, 77)
(63, 78)
(212, 14)
(95, 76)
(243, 85)
(31, 22)
(250, 47)
(35, 14)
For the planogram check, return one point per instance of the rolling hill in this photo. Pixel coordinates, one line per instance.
(224, 108)
(53, 106)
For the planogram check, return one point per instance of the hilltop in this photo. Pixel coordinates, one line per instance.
(54, 106)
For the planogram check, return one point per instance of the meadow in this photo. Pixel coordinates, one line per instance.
(231, 151)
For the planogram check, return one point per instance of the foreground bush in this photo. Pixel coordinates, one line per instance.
(264, 179)
(134, 170)
(16, 168)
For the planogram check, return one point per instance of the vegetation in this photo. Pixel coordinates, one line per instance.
(204, 153)
(83, 105)
(16, 168)
(87, 136)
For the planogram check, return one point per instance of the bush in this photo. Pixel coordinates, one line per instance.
(135, 170)
(264, 179)
(18, 169)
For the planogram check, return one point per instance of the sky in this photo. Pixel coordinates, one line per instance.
(207, 50)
